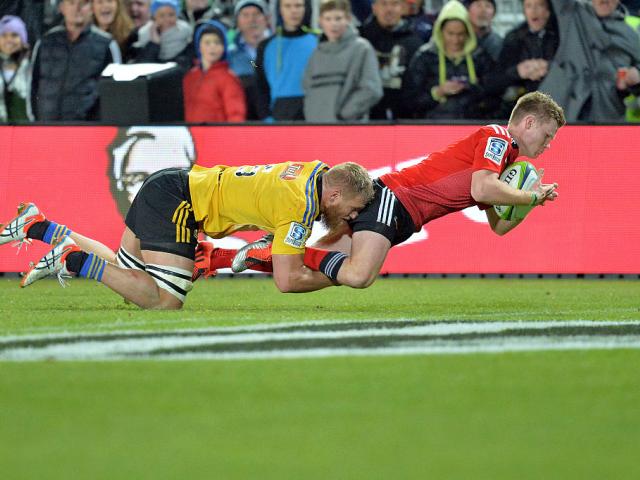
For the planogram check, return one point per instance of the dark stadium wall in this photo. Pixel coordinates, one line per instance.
(85, 176)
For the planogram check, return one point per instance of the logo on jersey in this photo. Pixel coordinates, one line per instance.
(247, 171)
(292, 171)
(496, 148)
(297, 235)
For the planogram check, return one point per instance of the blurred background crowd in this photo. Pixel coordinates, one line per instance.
(326, 61)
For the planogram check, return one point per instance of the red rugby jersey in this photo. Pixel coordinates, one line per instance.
(441, 183)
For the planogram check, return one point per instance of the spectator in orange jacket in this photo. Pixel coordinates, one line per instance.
(212, 92)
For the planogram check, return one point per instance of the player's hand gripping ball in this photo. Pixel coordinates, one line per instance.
(522, 176)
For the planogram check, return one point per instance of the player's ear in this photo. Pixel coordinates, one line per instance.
(530, 121)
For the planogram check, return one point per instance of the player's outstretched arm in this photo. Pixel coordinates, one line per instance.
(499, 225)
(292, 276)
(543, 193)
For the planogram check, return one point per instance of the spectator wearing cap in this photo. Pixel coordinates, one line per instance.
(15, 70)
(281, 61)
(164, 38)
(212, 92)
(67, 64)
(481, 14)
(252, 26)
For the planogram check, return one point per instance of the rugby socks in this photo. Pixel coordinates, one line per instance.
(324, 261)
(313, 257)
(260, 259)
(87, 265)
(48, 231)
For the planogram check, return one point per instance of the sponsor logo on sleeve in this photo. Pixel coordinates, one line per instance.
(297, 235)
(292, 171)
(496, 148)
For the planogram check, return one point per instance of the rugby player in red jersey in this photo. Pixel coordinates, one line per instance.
(464, 174)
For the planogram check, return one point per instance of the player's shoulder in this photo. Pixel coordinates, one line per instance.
(301, 172)
(493, 130)
(495, 141)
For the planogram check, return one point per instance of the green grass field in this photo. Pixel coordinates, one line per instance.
(571, 414)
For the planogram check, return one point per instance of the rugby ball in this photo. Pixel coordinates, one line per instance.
(522, 176)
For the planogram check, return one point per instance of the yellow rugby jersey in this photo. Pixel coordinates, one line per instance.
(281, 198)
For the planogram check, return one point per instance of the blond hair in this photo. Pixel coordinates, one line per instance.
(539, 104)
(353, 178)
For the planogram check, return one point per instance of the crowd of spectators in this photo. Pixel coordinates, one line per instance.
(250, 60)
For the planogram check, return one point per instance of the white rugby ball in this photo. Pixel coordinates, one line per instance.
(522, 176)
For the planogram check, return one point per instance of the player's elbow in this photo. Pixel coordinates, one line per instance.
(479, 192)
(502, 228)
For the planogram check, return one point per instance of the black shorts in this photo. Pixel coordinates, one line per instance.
(161, 215)
(385, 215)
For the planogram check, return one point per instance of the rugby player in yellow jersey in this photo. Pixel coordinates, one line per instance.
(154, 263)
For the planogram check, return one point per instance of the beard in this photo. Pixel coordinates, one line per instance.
(331, 222)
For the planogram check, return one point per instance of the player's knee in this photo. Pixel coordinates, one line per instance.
(359, 279)
(284, 285)
(172, 283)
(169, 304)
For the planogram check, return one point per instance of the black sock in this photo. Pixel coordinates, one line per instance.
(37, 230)
(75, 260)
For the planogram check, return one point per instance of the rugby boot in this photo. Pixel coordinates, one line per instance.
(254, 256)
(53, 263)
(16, 229)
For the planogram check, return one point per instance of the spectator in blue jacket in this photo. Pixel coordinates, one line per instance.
(281, 62)
(252, 26)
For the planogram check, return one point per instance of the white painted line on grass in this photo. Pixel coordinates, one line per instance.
(317, 339)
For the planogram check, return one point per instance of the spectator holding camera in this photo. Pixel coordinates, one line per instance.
(15, 69)
(164, 38)
(212, 92)
(444, 79)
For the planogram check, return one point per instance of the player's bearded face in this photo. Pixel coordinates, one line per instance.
(342, 210)
(331, 220)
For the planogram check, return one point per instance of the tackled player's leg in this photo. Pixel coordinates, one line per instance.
(156, 253)
(162, 283)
